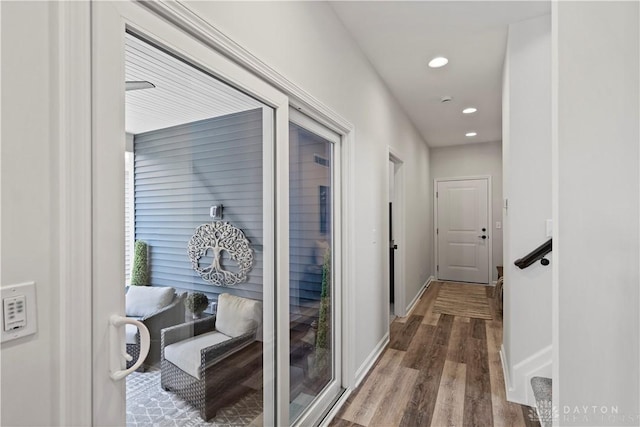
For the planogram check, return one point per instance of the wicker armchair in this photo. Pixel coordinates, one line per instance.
(169, 315)
(206, 361)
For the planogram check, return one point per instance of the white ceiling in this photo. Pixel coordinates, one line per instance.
(182, 94)
(399, 38)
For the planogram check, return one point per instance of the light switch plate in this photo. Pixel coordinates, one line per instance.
(19, 311)
(549, 227)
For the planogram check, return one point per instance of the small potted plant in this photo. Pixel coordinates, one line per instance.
(196, 303)
(140, 270)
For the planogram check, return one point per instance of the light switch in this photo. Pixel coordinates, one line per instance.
(18, 311)
(498, 225)
(15, 313)
(549, 228)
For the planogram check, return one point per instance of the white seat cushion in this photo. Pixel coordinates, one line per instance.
(236, 316)
(185, 354)
(130, 334)
(141, 301)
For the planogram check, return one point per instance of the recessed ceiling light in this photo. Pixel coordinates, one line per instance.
(470, 134)
(438, 61)
(469, 110)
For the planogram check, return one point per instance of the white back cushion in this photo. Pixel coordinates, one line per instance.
(142, 301)
(237, 316)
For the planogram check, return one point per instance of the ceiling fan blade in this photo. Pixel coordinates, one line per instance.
(138, 85)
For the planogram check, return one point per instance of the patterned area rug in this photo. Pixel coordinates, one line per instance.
(148, 405)
(463, 300)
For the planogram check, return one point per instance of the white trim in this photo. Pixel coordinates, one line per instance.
(505, 370)
(349, 278)
(73, 72)
(282, 302)
(518, 385)
(399, 222)
(180, 15)
(371, 360)
(556, 261)
(309, 123)
(268, 237)
(489, 218)
(414, 301)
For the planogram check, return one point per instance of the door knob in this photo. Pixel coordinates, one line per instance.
(483, 237)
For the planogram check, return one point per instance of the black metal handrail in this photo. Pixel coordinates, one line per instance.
(535, 255)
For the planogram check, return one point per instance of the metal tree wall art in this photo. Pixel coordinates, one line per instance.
(213, 239)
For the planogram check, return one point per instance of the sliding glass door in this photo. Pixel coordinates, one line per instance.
(234, 224)
(201, 153)
(313, 284)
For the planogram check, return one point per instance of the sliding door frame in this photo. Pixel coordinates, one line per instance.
(72, 61)
(110, 21)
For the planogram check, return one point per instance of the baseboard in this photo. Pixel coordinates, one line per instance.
(371, 360)
(519, 385)
(415, 299)
(505, 370)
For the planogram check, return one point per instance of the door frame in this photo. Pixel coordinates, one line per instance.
(489, 219)
(109, 23)
(73, 101)
(399, 219)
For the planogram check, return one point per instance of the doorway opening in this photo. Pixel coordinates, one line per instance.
(396, 237)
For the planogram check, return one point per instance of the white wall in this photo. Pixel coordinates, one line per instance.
(473, 160)
(527, 187)
(597, 193)
(306, 43)
(303, 41)
(29, 365)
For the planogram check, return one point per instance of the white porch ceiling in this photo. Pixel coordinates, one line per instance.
(399, 38)
(182, 94)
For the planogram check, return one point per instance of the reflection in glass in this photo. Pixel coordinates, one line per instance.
(311, 280)
(194, 142)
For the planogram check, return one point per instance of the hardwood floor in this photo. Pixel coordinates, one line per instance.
(438, 370)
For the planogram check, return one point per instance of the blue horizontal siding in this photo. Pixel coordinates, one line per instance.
(305, 179)
(183, 170)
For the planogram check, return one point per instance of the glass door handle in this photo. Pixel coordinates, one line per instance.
(145, 343)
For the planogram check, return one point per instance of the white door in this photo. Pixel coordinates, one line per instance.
(111, 21)
(463, 232)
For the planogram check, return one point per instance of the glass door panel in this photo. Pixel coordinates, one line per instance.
(197, 277)
(312, 283)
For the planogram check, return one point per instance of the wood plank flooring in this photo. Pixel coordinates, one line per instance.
(438, 370)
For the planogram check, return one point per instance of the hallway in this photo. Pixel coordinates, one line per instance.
(439, 369)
